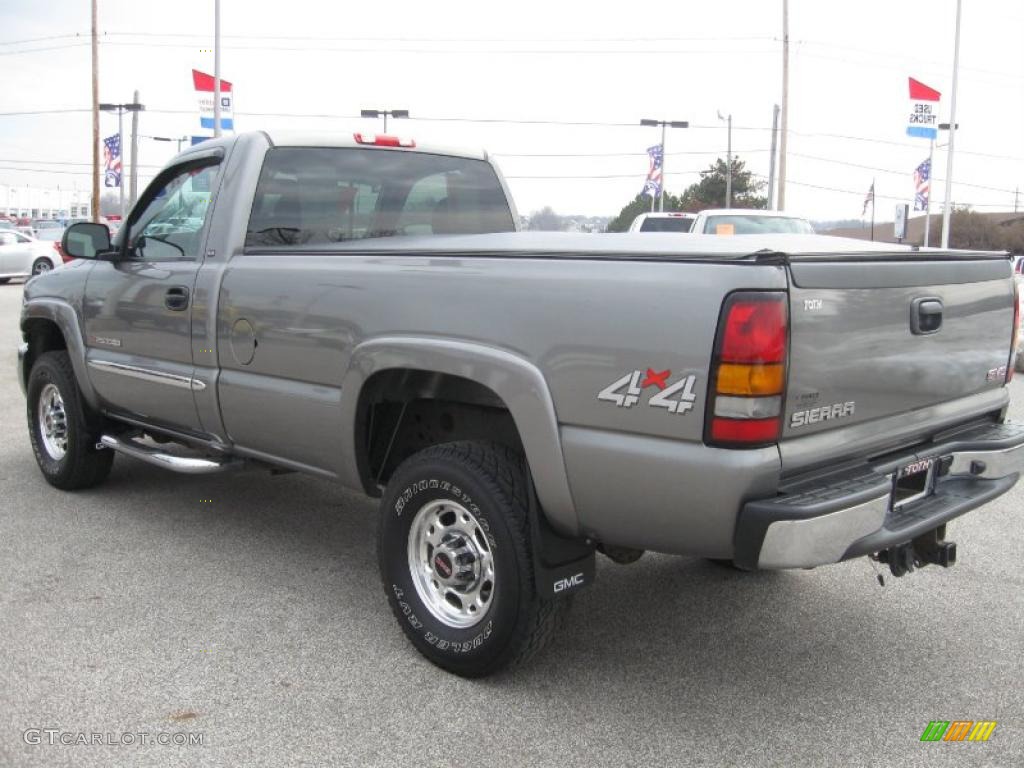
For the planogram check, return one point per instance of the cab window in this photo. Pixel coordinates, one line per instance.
(171, 225)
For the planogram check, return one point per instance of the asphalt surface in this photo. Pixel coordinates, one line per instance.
(256, 620)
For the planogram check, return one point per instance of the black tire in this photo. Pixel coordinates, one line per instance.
(4, 280)
(489, 481)
(82, 465)
(41, 265)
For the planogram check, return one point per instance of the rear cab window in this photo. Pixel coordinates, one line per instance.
(673, 224)
(308, 196)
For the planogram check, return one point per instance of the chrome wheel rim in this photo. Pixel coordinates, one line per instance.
(451, 563)
(53, 422)
(41, 267)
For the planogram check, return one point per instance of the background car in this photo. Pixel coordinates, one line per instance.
(45, 225)
(23, 256)
(672, 221)
(735, 221)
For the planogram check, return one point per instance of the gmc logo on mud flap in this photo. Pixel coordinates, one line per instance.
(575, 580)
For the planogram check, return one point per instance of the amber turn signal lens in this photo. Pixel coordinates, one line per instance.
(750, 380)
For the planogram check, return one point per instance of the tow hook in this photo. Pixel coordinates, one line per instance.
(928, 549)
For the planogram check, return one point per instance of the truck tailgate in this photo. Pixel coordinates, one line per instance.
(878, 337)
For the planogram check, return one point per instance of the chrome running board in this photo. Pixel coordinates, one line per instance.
(184, 464)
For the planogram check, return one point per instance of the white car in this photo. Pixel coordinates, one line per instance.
(22, 256)
(662, 222)
(743, 221)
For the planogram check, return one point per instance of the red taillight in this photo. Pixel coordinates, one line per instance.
(745, 430)
(383, 141)
(745, 402)
(755, 331)
(1015, 336)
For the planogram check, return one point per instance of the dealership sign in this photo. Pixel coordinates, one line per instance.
(924, 111)
(204, 92)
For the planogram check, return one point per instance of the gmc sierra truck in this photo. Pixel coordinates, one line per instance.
(362, 309)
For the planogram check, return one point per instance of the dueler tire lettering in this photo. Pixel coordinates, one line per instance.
(488, 480)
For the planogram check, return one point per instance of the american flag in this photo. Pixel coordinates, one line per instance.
(869, 199)
(112, 161)
(652, 186)
(922, 185)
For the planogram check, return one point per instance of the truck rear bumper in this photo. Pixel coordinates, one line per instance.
(849, 513)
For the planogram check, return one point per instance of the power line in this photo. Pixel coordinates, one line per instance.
(491, 51)
(28, 40)
(45, 48)
(895, 173)
(402, 39)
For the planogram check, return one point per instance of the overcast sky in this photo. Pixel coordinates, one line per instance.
(310, 64)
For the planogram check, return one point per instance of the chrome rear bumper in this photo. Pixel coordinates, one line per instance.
(853, 513)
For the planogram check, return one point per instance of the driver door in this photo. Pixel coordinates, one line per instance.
(138, 308)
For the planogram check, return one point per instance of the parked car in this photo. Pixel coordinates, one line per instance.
(740, 221)
(662, 222)
(521, 400)
(46, 225)
(23, 256)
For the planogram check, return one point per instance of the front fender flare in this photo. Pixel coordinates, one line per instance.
(519, 384)
(63, 315)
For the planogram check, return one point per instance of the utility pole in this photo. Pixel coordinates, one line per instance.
(1016, 194)
(663, 124)
(133, 189)
(95, 205)
(216, 68)
(785, 104)
(952, 132)
(728, 162)
(771, 162)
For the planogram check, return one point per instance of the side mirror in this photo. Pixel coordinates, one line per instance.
(86, 240)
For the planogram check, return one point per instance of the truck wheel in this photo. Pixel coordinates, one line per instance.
(59, 426)
(455, 558)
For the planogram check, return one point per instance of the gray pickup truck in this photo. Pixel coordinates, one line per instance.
(362, 309)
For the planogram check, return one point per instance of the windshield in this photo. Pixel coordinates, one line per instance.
(671, 224)
(756, 225)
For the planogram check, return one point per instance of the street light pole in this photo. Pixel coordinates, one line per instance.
(728, 161)
(134, 107)
(952, 133)
(670, 124)
(375, 113)
(95, 203)
(216, 68)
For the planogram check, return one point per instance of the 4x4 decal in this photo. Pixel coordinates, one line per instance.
(626, 391)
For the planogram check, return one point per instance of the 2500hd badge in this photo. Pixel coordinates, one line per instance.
(822, 413)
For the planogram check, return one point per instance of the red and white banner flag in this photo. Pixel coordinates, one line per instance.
(204, 91)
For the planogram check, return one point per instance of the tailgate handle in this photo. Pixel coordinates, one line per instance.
(925, 315)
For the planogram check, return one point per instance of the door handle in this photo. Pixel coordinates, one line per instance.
(176, 298)
(925, 315)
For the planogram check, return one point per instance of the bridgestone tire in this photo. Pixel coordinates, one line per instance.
(82, 465)
(488, 480)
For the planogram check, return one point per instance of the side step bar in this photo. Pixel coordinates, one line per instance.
(184, 464)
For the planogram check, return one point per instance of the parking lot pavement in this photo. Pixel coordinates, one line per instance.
(247, 609)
